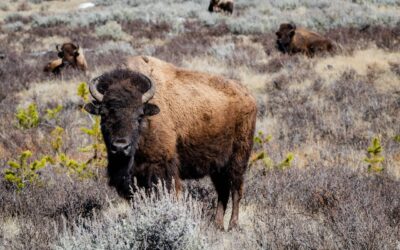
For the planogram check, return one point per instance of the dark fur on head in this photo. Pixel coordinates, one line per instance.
(285, 36)
(122, 114)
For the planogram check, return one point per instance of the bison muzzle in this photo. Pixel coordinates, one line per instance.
(161, 122)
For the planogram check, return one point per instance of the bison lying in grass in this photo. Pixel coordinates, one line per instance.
(161, 122)
(291, 39)
(69, 55)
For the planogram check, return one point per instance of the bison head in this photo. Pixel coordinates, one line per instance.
(68, 52)
(72, 55)
(121, 99)
(285, 36)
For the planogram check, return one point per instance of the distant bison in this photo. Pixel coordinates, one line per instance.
(72, 55)
(294, 40)
(221, 6)
(69, 55)
(160, 122)
(54, 66)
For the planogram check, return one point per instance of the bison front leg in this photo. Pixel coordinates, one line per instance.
(223, 187)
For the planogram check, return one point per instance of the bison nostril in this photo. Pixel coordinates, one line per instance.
(120, 144)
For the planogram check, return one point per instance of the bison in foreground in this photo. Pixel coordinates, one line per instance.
(160, 122)
(291, 39)
(221, 6)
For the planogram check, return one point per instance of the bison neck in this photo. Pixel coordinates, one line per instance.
(120, 173)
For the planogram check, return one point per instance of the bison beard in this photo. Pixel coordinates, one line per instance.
(120, 170)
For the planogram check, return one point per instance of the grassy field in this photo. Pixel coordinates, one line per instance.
(311, 187)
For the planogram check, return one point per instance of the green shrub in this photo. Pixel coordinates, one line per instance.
(287, 162)
(374, 157)
(97, 148)
(57, 139)
(83, 91)
(22, 171)
(72, 166)
(260, 141)
(52, 114)
(29, 117)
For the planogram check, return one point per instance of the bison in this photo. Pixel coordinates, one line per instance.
(54, 66)
(221, 6)
(294, 40)
(161, 122)
(72, 55)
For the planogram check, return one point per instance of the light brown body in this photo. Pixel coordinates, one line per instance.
(210, 125)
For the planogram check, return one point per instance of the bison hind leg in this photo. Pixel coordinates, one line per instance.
(222, 185)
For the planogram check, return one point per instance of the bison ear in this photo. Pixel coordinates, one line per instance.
(92, 109)
(60, 54)
(76, 53)
(150, 109)
(291, 33)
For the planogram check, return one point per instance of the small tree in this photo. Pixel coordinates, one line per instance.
(29, 117)
(260, 142)
(22, 171)
(374, 157)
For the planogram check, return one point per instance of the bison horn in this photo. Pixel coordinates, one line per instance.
(93, 90)
(150, 92)
(77, 48)
(58, 47)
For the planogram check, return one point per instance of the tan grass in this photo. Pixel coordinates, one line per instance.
(361, 61)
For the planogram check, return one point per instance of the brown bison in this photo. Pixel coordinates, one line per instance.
(293, 40)
(72, 55)
(221, 6)
(54, 66)
(161, 122)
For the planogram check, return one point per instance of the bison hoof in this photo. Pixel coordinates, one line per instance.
(232, 225)
(219, 225)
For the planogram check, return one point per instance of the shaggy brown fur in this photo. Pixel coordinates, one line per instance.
(294, 40)
(221, 6)
(54, 66)
(195, 125)
(72, 55)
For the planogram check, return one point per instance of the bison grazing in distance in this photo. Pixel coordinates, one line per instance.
(160, 122)
(294, 40)
(221, 6)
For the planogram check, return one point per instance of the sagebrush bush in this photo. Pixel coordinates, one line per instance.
(152, 222)
(111, 30)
